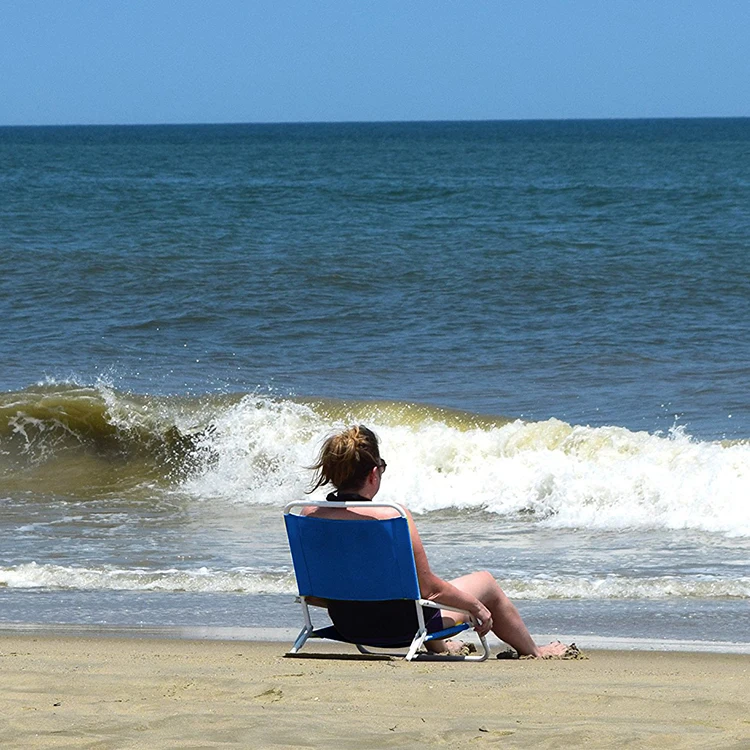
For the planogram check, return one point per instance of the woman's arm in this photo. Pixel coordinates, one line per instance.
(444, 593)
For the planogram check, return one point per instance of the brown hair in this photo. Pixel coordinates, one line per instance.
(346, 459)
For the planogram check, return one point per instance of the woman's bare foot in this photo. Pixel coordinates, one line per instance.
(552, 650)
(450, 647)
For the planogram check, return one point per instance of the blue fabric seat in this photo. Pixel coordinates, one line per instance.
(339, 561)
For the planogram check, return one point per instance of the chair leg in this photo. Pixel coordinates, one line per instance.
(485, 651)
(416, 644)
(306, 631)
(304, 634)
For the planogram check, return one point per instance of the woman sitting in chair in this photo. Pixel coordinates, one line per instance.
(351, 462)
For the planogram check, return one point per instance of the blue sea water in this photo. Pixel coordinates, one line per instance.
(546, 322)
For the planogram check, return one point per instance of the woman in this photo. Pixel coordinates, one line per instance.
(351, 462)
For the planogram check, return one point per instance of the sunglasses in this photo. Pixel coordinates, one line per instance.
(383, 466)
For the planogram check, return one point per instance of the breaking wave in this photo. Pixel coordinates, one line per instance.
(253, 449)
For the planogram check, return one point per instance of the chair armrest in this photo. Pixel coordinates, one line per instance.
(437, 605)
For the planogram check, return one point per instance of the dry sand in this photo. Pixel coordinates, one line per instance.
(104, 692)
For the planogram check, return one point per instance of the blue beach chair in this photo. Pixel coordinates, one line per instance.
(363, 571)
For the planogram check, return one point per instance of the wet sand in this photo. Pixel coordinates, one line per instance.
(114, 692)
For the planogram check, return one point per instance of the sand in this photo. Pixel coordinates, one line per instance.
(113, 692)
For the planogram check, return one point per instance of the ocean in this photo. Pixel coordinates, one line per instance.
(545, 322)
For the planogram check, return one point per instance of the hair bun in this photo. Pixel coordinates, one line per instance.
(346, 459)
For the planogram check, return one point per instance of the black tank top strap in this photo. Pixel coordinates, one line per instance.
(346, 497)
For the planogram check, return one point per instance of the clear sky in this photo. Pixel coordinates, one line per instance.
(179, 61)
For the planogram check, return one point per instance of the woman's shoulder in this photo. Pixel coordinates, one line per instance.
(359, 513)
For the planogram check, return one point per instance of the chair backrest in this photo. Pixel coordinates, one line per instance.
(359, 560)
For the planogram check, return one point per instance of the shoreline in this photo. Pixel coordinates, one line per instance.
(282, 635)
(67, 691)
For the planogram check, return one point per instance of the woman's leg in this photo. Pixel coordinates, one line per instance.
(507, 624)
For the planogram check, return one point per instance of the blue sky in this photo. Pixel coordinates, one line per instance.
(175, 61)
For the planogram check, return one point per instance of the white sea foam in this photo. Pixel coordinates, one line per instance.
(562, 475)
(198, 580)
(253, 581)
(257, 450)
(621, 587)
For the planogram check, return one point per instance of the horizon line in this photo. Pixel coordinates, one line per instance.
(370, 122)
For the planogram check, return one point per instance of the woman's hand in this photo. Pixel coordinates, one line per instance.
(483, 618)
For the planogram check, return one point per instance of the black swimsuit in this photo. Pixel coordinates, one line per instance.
(389, 621)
